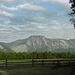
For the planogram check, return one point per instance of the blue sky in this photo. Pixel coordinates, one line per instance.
(20, 19)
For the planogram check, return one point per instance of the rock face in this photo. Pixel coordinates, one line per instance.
(3, 48)
(40, 43)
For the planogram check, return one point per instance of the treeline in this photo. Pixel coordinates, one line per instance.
(36, 55)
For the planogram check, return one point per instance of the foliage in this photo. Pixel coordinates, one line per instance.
(73, 12)
(36, 55)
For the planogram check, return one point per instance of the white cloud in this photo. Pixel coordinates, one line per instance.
(62, 5)
(35, 1)
(5, 14)
(7, 22)
(4, 22)
(23, 18)
(6, 1)
(23, 7)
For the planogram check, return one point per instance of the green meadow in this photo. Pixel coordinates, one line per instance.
(24, 67)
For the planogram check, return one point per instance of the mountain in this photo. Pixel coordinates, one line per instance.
(41, 43)
(3, 48)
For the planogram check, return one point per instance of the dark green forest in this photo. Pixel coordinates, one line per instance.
(36, 55)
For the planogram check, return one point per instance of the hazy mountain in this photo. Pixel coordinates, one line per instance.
(3, 48)
(41, 43)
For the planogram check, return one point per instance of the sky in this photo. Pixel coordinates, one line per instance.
(20, 19)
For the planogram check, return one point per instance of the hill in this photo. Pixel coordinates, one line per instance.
(4, 48)
(41, 43)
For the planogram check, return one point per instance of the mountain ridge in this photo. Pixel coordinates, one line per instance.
(40, 43)
(4, 48)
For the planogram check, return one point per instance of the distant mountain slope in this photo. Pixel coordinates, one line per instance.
(40, 43)
(3, 48)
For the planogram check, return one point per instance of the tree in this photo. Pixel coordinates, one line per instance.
(73, 12)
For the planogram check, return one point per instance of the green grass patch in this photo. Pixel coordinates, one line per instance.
(24, 70)
(24, 67)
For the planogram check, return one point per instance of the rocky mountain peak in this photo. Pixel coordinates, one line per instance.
(35, 41)
(40, 43)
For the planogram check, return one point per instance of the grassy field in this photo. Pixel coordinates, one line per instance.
(24, 67)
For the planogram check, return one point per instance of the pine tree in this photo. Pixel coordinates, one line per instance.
(73, 12)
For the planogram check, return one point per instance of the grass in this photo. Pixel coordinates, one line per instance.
(24, 67)
(34, 71)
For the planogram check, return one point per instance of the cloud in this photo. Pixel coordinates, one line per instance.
(23, 18)
(61, 5)
(5, 14)
(6, 1)
(35, 1)
(4, 22)
(23, 7)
